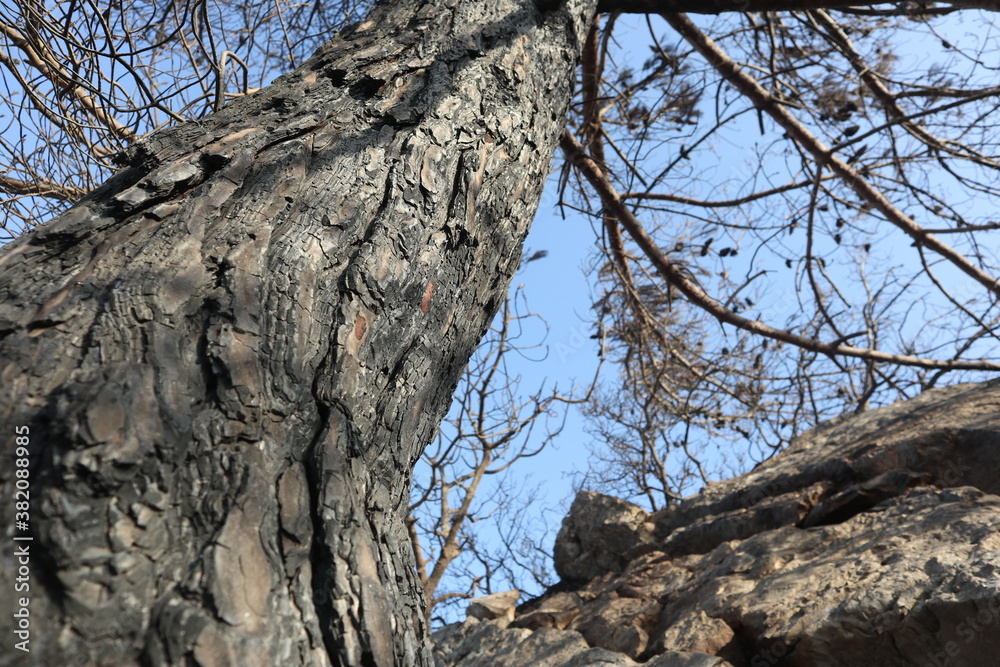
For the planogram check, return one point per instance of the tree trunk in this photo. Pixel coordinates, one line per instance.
(229, 357)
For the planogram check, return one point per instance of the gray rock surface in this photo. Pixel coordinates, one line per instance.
(597, 536)
(495, 606)
(873, 539)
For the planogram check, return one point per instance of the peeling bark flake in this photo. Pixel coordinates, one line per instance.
(425, 303)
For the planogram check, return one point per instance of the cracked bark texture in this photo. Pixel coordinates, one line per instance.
(231, 354)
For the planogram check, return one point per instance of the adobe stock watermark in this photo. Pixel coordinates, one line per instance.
(581, 336)
(22, 539)
(981, 624)
(770, 655)
(954, 474)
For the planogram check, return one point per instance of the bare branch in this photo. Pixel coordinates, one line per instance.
(820, 152)
(725, 6)
(676, 275)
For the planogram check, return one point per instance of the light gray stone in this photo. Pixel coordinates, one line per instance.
(495, 606)
(596, 535)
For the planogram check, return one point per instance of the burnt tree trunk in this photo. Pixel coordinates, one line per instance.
(230, 356)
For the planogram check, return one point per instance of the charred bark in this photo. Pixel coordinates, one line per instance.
(230, 355)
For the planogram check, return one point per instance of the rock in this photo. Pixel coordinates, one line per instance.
(619, 623)
(699, 633)
(873, 539)
(681, 659)
(596, 535)
(485, 645)
(496, 606)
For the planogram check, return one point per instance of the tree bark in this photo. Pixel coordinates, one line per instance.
(230, 356)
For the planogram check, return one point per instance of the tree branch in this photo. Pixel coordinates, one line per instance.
(764, 101)
(679, 277)
(725, 6)
(48, 65)
(41, 188)
(873, 80)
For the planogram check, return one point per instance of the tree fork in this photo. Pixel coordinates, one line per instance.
(230, 355)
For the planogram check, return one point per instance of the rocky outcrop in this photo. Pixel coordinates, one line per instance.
(874, 539)
(599, 535)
